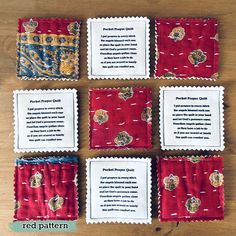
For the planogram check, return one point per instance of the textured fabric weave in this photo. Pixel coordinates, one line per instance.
(120, 118)
(191, 189)
(48, 48)
(187, 48)
(46, 188)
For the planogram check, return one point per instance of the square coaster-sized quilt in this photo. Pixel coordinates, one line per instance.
(191, 188)
(48, 48)
(187, 48)
(120, 118)
(46, 188)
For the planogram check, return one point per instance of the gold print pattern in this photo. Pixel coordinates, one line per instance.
(126, 93)
(123, 138)
(36, 180)
(192, 204)
(216, 178)
(67, 63)
(147, 115)
(171, 182)
(177, 34)
(73, 28)
(46, 39)
(30, 25)
(56, 203)
(100, 116)
(197, 56)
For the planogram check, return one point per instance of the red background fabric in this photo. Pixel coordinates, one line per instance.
(57, 179)
(173, 56)
(48, 25)
(108, 100)
(196, 181)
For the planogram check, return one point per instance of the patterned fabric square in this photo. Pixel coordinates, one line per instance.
(186, 48)
(48, 48)
(120, 118)
(191, 188)
(46, 188)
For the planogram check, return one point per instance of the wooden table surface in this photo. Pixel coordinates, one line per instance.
(224, 11)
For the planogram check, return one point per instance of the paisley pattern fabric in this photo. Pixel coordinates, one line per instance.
(186, 48)
(46, 188)
(120, 118)
(191, 190)
(48, 48)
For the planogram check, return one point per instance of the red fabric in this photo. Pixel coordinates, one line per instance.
(58, 179)
(123, 116)
(193, 181)
(48, 25)
(173, 54)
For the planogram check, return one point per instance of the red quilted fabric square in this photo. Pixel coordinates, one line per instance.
(191, 188)
(46, 188)
(186, 48)
(120, 118)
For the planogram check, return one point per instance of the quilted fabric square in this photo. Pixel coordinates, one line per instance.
(46, 188)
(186, 48)
(48, 48)
(191, 188)
(120, 118)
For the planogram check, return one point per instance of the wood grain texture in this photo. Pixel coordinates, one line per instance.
(11, 10)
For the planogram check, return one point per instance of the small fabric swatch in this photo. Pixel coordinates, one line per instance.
(118, 190)
(48, 48)
(120, 118)
(191, 188)
(187, 48)
(118, 48)
(46, 188)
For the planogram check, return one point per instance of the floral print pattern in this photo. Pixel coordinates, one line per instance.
(45, 188)
(30, 26)
(36, 180)
(216, 179)
(177, 33)
(186, 187)
(120, 118)
(126, 93)
(186, 48)
(56, 203)
(192, 204)
(171, 182)
(100, 116)
(147, 115)
(123, 138)
(73, 28)
(197, 56)
(47, 54)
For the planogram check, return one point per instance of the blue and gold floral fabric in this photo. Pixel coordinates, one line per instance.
(48, 51)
